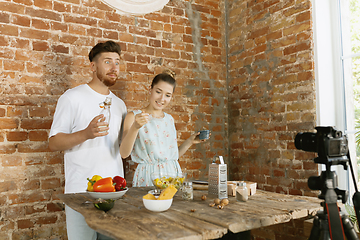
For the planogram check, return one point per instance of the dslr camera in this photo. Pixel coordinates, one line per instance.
(332, 148)
(330, 144)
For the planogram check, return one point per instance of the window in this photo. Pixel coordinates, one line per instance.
(337, 73)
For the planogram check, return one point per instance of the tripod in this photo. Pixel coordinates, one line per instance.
(330, 223)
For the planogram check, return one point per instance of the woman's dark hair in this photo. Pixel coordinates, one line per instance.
(108, 46)
(166, 76)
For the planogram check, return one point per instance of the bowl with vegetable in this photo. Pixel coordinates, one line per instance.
(155, 205)
(155, 202)
(108, 195)
(107, 188)
(162, 180)
(104, 204)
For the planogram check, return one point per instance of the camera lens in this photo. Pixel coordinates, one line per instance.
(315, 183)
(306, 141)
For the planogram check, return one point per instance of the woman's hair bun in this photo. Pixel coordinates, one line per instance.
(169, 72)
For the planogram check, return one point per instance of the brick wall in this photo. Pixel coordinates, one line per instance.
(261, 86)
(271, 92)
(43, 51)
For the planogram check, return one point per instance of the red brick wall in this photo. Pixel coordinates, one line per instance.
(271, 92)
(261, 86)
(43, 51)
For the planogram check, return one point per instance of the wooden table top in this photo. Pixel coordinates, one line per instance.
(129, 219)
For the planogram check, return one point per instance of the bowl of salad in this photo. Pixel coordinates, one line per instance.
(162, 180)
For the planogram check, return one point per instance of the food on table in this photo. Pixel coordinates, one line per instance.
(104, 205)
(168, 193)
(117, 183)
(220, 204)
(149, 196)
(92, 181)
(217, 201)
(163, 182)
(104, 185)
(120, 183)
(156, 205)
(203, 197)
(224, 201)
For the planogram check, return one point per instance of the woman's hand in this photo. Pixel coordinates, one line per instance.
(141, 119)
(195, 138)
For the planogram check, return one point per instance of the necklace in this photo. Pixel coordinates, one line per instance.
(154, 116)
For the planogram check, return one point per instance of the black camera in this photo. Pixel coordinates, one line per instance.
(329, 143)
(332, 148)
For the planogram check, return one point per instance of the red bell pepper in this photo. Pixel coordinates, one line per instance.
(104, 185)
(120, 183)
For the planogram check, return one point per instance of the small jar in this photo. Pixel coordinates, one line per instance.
(187, 191)
(106, 110)
(241, 192)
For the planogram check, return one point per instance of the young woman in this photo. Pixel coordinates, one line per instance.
(150, 134)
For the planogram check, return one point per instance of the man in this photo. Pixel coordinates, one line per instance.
(78, 130)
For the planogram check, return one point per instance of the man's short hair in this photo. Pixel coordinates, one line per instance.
(108, 46)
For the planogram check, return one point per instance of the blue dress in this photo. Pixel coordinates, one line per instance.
(155, 149)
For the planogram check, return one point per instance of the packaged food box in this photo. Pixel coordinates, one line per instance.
(231, 186)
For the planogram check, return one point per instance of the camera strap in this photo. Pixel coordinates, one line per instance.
(336, 228)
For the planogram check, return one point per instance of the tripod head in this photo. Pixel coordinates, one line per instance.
(327, 180)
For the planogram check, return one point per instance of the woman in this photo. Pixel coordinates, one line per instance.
(150, 134)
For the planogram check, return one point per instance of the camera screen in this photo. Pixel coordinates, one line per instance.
(337, 147)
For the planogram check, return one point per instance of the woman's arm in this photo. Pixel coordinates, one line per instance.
(132, 124)
(193, 139)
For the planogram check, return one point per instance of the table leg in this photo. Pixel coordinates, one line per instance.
(237, 236)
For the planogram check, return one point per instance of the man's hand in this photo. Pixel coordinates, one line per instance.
(64, 141)
(97, 127)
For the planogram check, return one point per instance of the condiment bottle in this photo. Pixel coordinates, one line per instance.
(187, 191)
(241, 192)
(106, 109)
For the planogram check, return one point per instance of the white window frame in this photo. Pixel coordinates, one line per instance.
(333, 107)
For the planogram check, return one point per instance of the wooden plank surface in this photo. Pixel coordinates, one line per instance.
(195, 219)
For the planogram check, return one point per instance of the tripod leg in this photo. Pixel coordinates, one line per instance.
(349, 230)
(315, 230)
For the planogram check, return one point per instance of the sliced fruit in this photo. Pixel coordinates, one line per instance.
(149, 196)
(168, 193)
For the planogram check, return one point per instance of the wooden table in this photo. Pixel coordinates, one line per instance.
(129, 219)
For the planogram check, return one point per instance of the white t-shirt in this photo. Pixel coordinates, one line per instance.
(99, 156)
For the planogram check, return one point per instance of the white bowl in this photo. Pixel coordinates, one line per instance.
(157, 205)
(108, 195)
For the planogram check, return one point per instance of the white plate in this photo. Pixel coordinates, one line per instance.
(108, 195)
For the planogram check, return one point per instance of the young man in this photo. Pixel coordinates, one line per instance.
(90, 143)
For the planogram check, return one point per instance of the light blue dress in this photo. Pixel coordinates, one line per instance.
(155, 149)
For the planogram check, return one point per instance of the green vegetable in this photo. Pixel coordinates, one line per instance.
(105, 205)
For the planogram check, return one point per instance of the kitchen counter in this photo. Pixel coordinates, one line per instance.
(129, 219)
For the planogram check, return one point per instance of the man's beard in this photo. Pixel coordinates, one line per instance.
(106, 80)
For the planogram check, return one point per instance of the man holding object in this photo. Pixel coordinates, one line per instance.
(90, 142)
